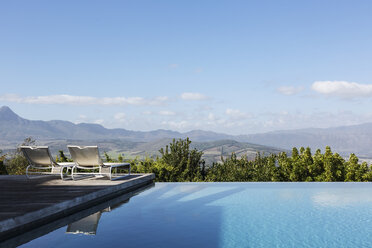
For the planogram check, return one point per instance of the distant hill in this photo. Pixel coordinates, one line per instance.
(345, 140)
(213, 150)
(57, 134)
(13, 128)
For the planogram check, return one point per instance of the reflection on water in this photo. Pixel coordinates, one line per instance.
(87, 225)
(341, 199)
(85, 222)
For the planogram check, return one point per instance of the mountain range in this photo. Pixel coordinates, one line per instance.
(344, 139)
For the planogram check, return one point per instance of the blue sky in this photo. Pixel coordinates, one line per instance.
(237, 67)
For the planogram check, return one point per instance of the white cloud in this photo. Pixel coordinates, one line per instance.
(342, 89)
(161, 99)
(146, 112)
(297, 120)
(211, 117)
(166, 113)
(289, 90)
(236, 114)
(99, 121)
(193, 96)
(179, 125)
(119, 116)
(81, 118)
(182, 125)
(83, 100)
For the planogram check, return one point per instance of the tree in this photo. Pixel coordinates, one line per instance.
(360, 175)
(108, 158)
(368, 175)
(299, 171)
(285, 166)
(120, 158)
(17, 163)
(3, 170)
(264, 168)
(186, 162)
(62, 158)
(334, 167)
(354, 171)
(351, 167)
(308, 162)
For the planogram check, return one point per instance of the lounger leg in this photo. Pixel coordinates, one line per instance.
(67, 169)
(112, 178)
(42, 174)
(27, 175)
(72, 173)
(62, 174)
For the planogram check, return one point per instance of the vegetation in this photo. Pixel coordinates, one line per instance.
(62, 158)
(3, 170)
(179, 163)
(300, 166)
(17, 163)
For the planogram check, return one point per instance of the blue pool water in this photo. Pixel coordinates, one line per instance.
(228, 215)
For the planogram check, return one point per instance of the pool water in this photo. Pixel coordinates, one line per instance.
(228, 215)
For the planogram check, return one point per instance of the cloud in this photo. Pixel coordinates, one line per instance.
(83, 100)
(236, 114)
(179, 125)
(211, 117)
(81, 118)
(119, 116)
(99, 121)
(193, 96)
(342, 89)
(289, 90)
(269, 121)
(166, 113)
(146, 112)
(161, 99)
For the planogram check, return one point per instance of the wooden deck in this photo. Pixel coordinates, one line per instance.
(26, 204)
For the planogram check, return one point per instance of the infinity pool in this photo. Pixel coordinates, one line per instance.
(227, 215)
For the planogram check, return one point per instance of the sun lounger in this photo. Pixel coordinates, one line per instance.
(89, 162)
(42, 163)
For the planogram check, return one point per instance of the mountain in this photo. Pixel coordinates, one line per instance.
(57, 134)
(15, 128)
(344, 140)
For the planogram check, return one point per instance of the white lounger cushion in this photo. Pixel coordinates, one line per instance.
(85, 155)
(37, 155)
